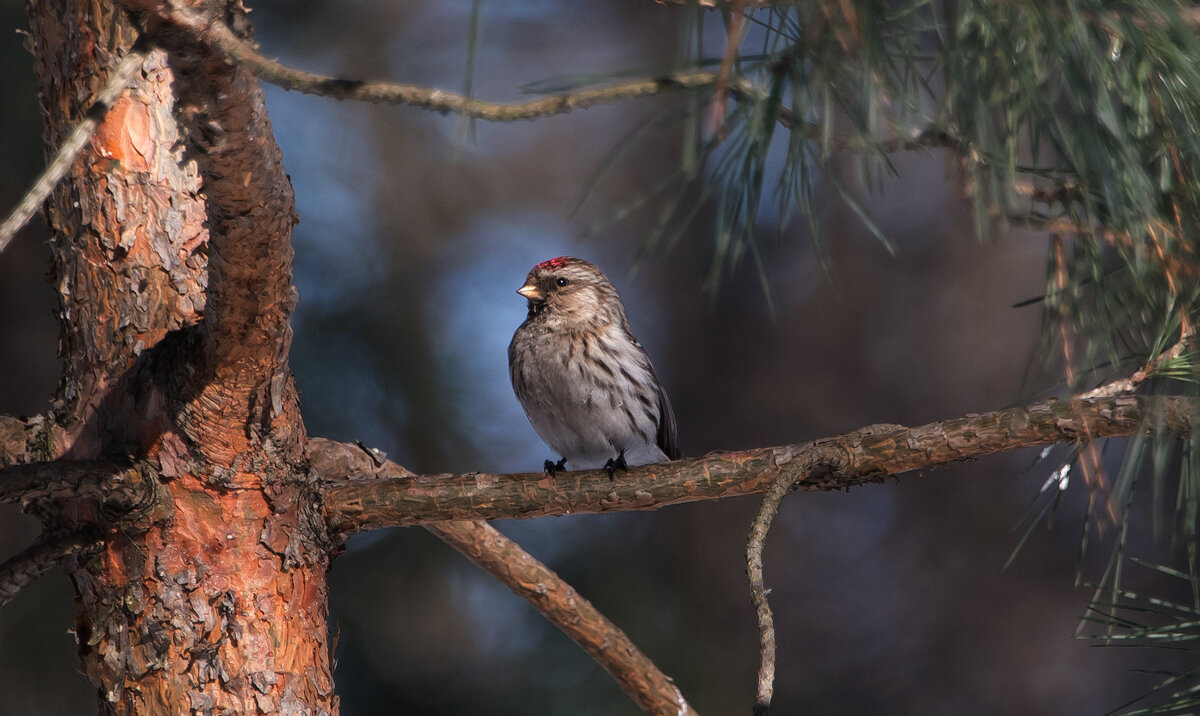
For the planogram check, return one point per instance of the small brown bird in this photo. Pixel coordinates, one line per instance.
(585, 382)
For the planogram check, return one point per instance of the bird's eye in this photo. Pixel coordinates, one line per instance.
(562, 282)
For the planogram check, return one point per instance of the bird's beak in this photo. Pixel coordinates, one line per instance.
(530, 292)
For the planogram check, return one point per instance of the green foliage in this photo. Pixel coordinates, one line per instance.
(1138, 619)
(765, 142)
(1079, 119)
(1076, 119)
(1069, 115)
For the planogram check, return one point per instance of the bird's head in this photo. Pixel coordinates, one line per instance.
(570, 287)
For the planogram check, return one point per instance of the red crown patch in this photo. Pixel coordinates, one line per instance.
(554, 263)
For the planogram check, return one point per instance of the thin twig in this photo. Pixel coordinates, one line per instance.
(20, 571)
(653, 691)
(1185, 325)
(758, 591)
(70, 149)
(1180, 266)
(829, 459)
(218, 36)
(715, 121)
(1130, 384)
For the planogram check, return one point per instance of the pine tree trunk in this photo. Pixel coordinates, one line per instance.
(172, 257)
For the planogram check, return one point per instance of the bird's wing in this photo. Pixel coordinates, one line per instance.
(666, 426)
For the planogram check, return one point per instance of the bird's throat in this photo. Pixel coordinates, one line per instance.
(536, 308)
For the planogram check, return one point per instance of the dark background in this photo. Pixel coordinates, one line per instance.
(417, 228)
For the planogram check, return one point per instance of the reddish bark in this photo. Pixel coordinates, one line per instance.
(128, 235)
(172, 257)
(558, 601)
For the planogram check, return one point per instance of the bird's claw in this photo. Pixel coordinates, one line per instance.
(614, 464)
(553, 467)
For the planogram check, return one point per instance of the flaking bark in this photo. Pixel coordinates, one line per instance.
(172, 257)
(204, 588)
(870, 454)
(558, 601)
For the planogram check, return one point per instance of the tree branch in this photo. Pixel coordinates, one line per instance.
(832, 461)
(1152, 366)
(20, 571)
(72, 146)
(22, 440)
(528, 578)
(101, 493)
(57, 480)
(765, 686)
(218, 36)
(1176, 266)
(872, 453)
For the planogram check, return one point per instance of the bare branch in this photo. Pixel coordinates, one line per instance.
(1130, 384)
(829, 459)
(20, 571)
(529, 579)
(504, 559)
(102, 492)
(765, 686)
(221, 38)
(218, 36)
(60, 479)
(72, 146)
(873, 453)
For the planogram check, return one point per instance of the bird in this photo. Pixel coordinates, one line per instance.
(585, 383)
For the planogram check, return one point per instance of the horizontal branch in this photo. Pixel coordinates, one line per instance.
(653, 691)
(120, 494)
(223, 40)
(218, 36)
(64, 479)
(21, 570)
(388, 498)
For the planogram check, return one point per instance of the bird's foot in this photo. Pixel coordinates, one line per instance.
(614, 464)
(553, 467)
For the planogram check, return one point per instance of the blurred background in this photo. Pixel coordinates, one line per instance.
(415, 231)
